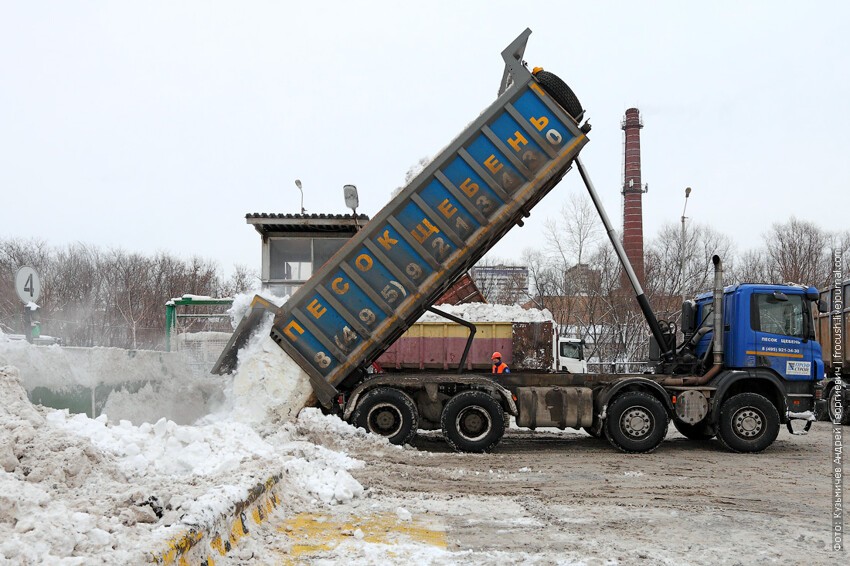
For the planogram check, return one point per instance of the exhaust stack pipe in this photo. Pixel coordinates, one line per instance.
(718, 310)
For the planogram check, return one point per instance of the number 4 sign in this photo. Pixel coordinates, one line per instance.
(28, 285)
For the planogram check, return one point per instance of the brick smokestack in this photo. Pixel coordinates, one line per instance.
(633, 190)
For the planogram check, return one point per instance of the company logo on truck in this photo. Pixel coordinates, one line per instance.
(798, 368)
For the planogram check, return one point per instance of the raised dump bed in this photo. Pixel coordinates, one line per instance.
(479, 187)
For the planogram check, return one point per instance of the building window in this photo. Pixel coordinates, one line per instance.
(292, 261)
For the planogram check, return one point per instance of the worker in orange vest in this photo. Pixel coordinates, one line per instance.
(498, 365)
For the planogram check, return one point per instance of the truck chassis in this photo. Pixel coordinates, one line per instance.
(744, 409)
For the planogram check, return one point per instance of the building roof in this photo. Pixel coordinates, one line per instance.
(271, 223)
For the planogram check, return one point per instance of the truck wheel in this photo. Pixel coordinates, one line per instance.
(562, 94)
(388, 412)
(473, 422)
(699, 431)
(831, 401)
(637, 422)
(748, 423)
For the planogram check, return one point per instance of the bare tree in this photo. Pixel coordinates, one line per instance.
(799, 251)
(113, 298)
(77, 293)
(127, 287)
(575, 233)
(752, 266)
(242, 280)
(664, 259)
(796, 251)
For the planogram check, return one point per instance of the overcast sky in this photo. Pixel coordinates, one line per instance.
(158, 125)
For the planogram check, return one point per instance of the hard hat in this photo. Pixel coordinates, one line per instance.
(496, 355)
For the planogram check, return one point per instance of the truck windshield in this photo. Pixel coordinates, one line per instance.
(571, 350)
(777, 317)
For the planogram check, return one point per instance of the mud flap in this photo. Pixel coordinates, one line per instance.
(226, 362)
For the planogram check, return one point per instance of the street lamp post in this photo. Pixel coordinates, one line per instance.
(682, 267)
(298, 184)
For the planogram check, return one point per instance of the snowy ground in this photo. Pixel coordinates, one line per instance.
(75, 490)
(565, 498)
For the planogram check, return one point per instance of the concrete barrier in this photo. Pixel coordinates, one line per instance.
(204, 544)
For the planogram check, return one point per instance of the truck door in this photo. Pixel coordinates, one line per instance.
(778, 337)
(571, 356)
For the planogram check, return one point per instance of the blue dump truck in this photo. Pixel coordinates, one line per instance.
(740, 384)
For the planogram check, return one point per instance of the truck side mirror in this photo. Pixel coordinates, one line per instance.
(823, 306)
(688, 322)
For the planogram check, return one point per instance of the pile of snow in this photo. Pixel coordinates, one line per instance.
(486, 312)
(333, 432)
(74, 488)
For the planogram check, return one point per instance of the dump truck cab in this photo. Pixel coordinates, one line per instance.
(768, 327)
(769, 347)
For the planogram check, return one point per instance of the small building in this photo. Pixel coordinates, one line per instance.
(296, 245)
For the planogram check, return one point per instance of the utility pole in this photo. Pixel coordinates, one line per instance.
(682, 266)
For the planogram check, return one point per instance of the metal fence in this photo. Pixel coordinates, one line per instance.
(202, 349)
(619, 367)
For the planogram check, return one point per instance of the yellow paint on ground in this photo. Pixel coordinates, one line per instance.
(218, 545)
(312, 534)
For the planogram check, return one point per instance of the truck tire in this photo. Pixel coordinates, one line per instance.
(388, 412)
(700, 431)
(748, 423)
(562, 94)
(830, 408)
(637, 422)
(473, 421)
